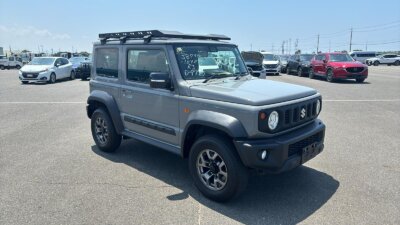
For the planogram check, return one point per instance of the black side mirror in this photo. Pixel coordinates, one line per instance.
(250, 70)
(160, 80)
(324, 61)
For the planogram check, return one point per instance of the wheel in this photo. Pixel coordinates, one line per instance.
(24, 82)
(329, 75)
(300, 72)
(103, 131)
(311, 73)
(53, 78)
(18, 67)
(83, 78)
(287, 70)
(216, 168)
(72, 75)
(376, 63)
(360, 80)
(2, 67)
(397, 63)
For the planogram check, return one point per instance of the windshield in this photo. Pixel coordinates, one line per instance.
(203, 61)
(284, 57)
(77, 59)
(306, 57)
(340, 58)
(42, 61)
(270, 57)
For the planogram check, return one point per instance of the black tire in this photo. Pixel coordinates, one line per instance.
(72, 75)
(18, 67)
(106, 138)
(24, 82)
(329, 75)
(83, 78)
(237, 174)
(287, 70)
(376, 63)
(300, 72)
(360, 80)
(52, 79)
(2, 67)
(397, 63)
(311, 73)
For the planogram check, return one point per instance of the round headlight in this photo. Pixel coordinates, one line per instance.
(318, 108)
(273, 120)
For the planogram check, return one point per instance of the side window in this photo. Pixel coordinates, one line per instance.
(64, 61)
(58, 61)
(107, 62)
(323, 57)
(318, 57)
(353, 55)
(11, 58)
(143, 62)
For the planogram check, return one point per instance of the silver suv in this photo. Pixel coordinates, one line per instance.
(192, 95)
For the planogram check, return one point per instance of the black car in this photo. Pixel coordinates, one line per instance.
(83, 70)
(299, 64)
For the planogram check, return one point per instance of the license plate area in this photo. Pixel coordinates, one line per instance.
(29, 75)
(310, 151)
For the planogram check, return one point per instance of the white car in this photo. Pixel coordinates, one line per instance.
(389, 59)
(46, 69)
(10, 62)
(271, 63)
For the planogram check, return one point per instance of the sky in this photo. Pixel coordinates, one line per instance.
(253, 25)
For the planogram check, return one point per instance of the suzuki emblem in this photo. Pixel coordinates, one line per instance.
(303, 113)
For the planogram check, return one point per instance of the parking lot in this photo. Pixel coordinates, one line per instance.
(52, 173)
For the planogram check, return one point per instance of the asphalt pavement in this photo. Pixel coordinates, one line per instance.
(52, 173)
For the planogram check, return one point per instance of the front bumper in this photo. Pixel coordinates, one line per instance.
(284, 152)
(343, 74)
(36, 78)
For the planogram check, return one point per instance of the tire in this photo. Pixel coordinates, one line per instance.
(2, 67)
(18, 67)
(52, 79)
(72, 75)
(360, 80)
(376, 63)
(300, 72)
(311, 73)
(103, 131)
(24, 82)
(287, 70)
(329, 76)
(397, 63)
(83, 78)
(236, 178)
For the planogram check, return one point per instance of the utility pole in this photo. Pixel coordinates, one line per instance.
(366, 46)
(351, 37)
(296, 44)
(283, 47)
(272, 48)
(317, 44)
(290, 45)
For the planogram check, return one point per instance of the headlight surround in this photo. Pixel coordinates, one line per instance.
(273, 120)
(45, 70)
(318, 107)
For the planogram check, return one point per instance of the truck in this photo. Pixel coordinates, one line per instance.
(10, 62)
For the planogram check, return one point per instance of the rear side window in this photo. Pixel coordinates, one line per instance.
(64, 61)
(143, 62)
(107, 62)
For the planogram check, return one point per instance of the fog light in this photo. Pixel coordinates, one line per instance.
(264, 154)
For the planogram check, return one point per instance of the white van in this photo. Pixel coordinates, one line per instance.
(361, 56)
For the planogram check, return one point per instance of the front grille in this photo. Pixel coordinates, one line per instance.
(354, 69)
(297, 147)
(270, 66)
(256, 67)
(30, 75)
(291, 115)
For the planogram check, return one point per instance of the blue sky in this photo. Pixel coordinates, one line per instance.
(73, 24)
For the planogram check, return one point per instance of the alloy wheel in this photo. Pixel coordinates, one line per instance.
(101, 129)
(212, 170)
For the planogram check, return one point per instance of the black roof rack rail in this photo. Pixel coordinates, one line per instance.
(149, 34)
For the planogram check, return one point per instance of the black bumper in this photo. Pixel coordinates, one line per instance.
(284, 152)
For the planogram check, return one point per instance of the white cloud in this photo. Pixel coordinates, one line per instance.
(21, 31)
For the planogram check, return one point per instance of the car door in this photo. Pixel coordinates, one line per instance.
(58, 68)
(324, 64)
(11, 62)
(67, 66)
(153, 113)
(317, 64)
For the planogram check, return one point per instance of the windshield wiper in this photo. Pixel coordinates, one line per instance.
(239, 75)
(216, 75)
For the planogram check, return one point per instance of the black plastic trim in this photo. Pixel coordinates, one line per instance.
(150, 125)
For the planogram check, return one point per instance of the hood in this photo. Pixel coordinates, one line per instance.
(35, 68)
(347, 64)
(255, 92)
(266, 62)
(254, 57)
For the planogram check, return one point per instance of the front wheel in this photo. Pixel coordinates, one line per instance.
(18, 67)
(329, 76)
(2, 67)
(103, 131)
(397, 63)
(72, 75)
(53, 78)
(311, 73)
(376, 63)
(216, 168)
(24, 82)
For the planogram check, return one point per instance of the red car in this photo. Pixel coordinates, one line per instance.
(335, 66)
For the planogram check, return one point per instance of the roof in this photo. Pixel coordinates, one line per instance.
(164, 41)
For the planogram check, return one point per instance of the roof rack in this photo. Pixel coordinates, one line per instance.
(148, 35)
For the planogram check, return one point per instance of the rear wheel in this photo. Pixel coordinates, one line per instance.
(329, 75)
(376, 63)
(397, 63)
(72, 75)
(103, 131)
(2, 67)
(216, 168)
(311, 73)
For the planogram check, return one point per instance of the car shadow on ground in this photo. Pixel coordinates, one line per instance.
(288, 198)
(351, 81)
(59, 81)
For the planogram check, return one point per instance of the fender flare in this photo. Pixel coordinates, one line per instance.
(110, 104)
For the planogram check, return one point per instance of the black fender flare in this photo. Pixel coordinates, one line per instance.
(111, 105)
(223, 122)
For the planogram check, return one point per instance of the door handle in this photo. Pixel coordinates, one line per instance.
(127, 93)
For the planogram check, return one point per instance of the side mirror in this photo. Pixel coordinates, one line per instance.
(250, 70)
(324, 61)
(58, 64)
(160, 80)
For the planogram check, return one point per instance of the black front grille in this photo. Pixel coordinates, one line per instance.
(270, 66)
(256, 67)
(355, 69)
(297, 147)
(30, 75)
(291, 115)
